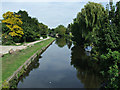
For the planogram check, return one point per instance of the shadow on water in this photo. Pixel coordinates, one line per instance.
(87, 70)
(34, 65)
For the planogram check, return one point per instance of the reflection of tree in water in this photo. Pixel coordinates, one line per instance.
(34, 65)
(61, 42)
(69, 43)
(86, 69)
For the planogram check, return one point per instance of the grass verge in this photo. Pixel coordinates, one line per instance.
(11, 63)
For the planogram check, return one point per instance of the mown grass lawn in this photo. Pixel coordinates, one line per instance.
(11, 63)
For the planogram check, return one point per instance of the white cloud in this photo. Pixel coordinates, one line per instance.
(57, 0)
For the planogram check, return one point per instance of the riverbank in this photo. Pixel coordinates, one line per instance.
(6, 49)
(10, 63)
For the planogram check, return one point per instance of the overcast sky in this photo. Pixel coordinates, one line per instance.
(56, 0)
(50, 13)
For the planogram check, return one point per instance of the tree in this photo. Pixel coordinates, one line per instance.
(117, 16)
(109, 34)
(112, 11)
(20, 27)
(13, 22)
(88, 22)
(61, 30)
(100, 27)
(52, 32)
(43, 29)
(31, 27)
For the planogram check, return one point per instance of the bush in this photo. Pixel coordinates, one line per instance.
(111, 61)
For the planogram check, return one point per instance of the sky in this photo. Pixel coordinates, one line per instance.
(57, 0)
(51, 13)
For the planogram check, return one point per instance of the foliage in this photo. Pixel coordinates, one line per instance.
(43, 29)
(88, 22)
(5, 85)
(111, 61)
(100, 27)
(20, 27)
(108, 38)
(13, 22)
(52, 32)
(30, 26)
(60, 30)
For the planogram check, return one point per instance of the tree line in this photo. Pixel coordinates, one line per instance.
(60, 31)
(99, 27)
(20, 27)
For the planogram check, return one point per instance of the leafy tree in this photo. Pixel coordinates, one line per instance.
(52, 32)
(20, 27)
(43, 29)
(13, 22)
(109, 36)
(77, 34)
(109, 63)
(112, 11)
(31, 26)
(88, 22)
(117, 17)
(61, 30)
(100, 27)
(6, 38)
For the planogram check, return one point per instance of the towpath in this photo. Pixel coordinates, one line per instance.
(6, 49)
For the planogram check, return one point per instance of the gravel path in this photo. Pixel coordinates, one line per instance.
(6, 49)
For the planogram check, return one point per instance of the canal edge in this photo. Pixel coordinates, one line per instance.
(14, 78)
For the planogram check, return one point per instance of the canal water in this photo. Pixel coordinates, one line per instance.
(62, 65)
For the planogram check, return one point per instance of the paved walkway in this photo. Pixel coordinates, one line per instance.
(6, 49)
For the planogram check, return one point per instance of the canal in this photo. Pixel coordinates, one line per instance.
(62, 65)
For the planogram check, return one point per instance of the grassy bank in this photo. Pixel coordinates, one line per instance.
(11, 63)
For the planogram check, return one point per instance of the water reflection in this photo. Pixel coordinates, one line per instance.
(56, 67)
(34, 65)
(86, 69)
(69, 43)
(61, 42)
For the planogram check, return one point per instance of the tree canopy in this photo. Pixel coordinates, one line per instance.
(100, 28)
(13, 22)
(60, 30)
(20, 27)
(88, 22)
